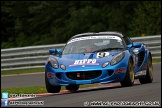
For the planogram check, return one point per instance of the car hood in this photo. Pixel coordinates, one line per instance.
(87, 60)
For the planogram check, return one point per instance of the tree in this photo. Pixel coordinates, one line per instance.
(147, 18)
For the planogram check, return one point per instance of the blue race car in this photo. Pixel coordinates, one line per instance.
(103, 57)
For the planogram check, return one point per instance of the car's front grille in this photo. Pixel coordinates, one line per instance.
(141, 58)
(83, 75)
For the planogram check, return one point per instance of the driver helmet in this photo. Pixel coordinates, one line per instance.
(88, 49)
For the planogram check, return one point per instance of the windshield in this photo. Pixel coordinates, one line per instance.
(93, 44)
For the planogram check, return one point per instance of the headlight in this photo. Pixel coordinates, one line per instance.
(117, 58)
(53, 62)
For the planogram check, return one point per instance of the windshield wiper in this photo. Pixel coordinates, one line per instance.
(104, 49)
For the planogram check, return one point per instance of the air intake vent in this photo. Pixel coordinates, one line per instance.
(141, 58)
(84, 75)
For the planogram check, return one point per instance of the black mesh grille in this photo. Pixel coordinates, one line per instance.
(141, 58)
(84, 75)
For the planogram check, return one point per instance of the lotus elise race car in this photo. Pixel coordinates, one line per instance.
(103, 57)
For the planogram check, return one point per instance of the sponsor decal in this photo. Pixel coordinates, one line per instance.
(120, 70)
(95, 37)
(143, 72)
(85, 62)
(102, 54)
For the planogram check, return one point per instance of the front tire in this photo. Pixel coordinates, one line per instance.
(129, 78)
(149, 74)
(73, 87)
(50, 88)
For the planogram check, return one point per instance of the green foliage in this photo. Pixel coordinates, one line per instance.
(147, 18)
(27, 23)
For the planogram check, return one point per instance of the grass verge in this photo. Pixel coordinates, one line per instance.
(24, 71)
(36, 89)
(156, 60)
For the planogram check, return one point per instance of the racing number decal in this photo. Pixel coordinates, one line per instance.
(102, 54)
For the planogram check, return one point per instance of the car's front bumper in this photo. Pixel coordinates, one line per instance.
(101, 75)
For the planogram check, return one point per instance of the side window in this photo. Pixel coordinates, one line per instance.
(127, 41)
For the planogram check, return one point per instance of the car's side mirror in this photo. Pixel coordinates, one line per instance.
(56, 52)
(52, 51)
(129, 46)
(59, 51)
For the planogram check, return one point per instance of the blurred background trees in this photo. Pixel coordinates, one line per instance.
(28, 23)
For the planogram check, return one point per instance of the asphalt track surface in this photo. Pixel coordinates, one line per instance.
(147, 94)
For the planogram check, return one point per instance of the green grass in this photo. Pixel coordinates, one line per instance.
(37, 89)
(25, 90)
(42, 69)
(22, 71)
(156, 60)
